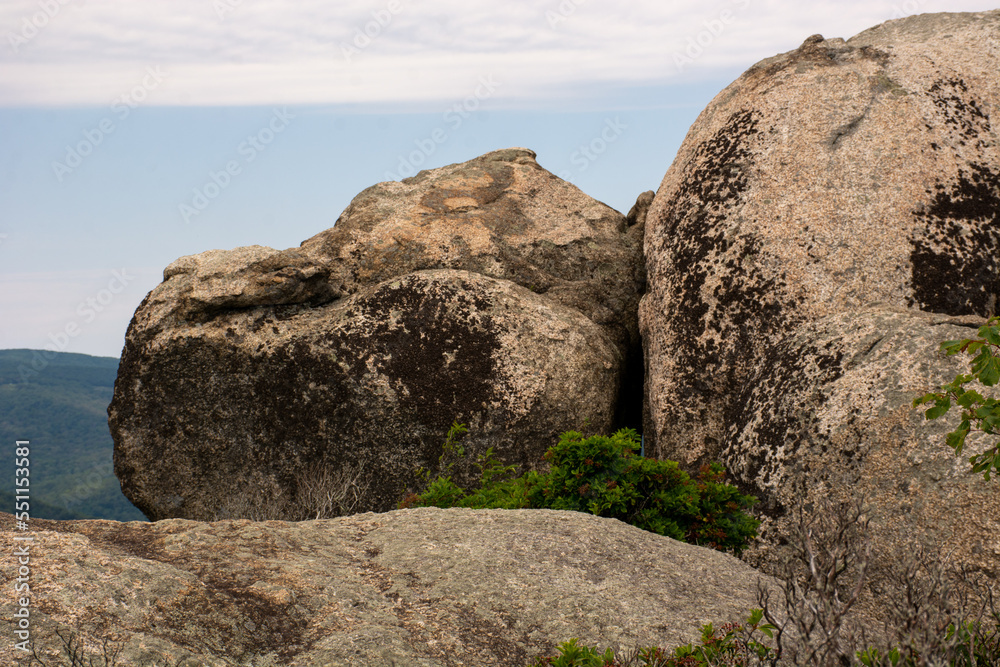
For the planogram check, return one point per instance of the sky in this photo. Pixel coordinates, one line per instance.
(134, 133)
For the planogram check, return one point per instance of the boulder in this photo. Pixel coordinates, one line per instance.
(828, 415)
(242, 415)
(310, 382)
(410, 587)
(826, 217)
(637, 214)
(501, 215)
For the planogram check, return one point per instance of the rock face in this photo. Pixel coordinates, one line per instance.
(831, 217)
(410, 587)
(490, 292)
(500, 215)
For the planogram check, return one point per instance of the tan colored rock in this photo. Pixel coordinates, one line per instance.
(830, 178)
(826, 217)
(415, 587)
(501, 215)
(234, 418)
(253, 276)
(830, 414)
(637, 214)
(312, 381)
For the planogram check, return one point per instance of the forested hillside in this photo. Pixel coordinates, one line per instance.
(58, 402)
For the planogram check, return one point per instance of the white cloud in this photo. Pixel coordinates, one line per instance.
(269, 52)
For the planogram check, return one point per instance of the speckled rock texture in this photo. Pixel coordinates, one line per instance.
(825, 217)
(419, 587)
(491, 293)
(501, 215)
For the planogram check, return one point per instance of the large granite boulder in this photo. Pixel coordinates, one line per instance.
(258, 383)
(419, 587)
(501, 215)
(826, 217)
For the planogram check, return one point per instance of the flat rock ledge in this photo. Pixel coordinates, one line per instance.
(421, 587)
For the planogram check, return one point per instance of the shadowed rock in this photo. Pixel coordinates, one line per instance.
(491, 293)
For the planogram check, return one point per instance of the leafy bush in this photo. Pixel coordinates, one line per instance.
(979, 413)
(603, 476)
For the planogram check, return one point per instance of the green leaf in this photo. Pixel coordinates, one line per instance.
(938, 410)
(991, 334)
(987, 368)
(954, 346)
(973, 346)
(970, 398)
(956, 440)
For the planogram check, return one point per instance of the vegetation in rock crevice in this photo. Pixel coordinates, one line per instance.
(604, 476)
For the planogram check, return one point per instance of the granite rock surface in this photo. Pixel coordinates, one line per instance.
(419, 587)
(831, 217)
(316, 381)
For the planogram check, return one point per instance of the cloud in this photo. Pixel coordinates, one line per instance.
(245, 52)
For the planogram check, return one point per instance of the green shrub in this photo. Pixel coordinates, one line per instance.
(603, 476)
(979, 413)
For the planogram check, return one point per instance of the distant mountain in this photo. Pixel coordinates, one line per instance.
(58, 402)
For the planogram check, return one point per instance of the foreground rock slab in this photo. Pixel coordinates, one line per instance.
(426, 587)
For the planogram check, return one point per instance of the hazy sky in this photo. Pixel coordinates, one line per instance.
(132, 133)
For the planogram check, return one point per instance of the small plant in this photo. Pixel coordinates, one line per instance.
(499, 488)
(736, 646)
(603, 476)
(73, 654)
(979, 413)
(324, 492)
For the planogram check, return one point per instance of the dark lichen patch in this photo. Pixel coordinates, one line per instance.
(775, 403)
(717, 329)
(955, 255)
(961, 112)
(133, 539)
(436, 343)
(265, 626)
